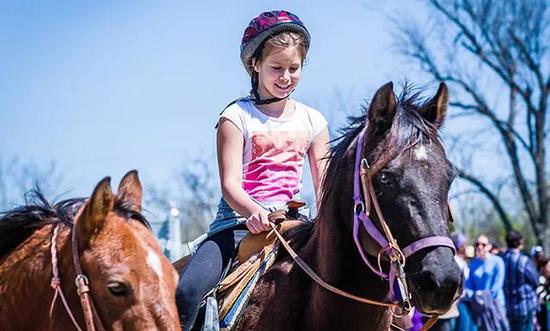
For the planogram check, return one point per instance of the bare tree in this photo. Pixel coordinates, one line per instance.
(194, 193)
(18, 177)
(494, 55)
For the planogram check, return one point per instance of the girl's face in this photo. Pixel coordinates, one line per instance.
(279, 71)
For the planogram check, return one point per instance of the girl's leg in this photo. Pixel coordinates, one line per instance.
(203, 273)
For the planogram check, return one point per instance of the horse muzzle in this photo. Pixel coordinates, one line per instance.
(438, 283)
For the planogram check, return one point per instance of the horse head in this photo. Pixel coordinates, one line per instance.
(132, 283)
(388, 183)
(411, 177)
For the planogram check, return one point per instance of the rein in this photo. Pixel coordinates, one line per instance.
(91, 316)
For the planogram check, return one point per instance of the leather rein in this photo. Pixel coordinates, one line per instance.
(388, 244)
(91, 316)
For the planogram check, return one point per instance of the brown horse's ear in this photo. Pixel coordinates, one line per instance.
(93, 218)
(382, 109)
(130, 191)
(436, 109)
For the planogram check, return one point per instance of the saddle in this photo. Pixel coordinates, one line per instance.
(255, 254)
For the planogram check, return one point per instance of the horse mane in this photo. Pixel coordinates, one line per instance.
(18, 224)
(408, 129)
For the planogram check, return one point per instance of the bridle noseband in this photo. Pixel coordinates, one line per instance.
(91, 316)
(389, 247)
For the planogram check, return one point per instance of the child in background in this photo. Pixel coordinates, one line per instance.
(262, 141)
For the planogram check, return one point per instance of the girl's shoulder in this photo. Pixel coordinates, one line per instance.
(238, 112)
(314, 117)
(308, 109)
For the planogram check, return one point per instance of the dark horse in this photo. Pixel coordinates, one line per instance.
(411, 181)
(131, 283)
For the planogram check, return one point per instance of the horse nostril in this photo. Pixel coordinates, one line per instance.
(428, 282)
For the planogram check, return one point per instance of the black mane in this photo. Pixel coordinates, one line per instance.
(408, 128)
(18, 224)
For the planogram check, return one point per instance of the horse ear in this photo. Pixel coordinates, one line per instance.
(130, 191)
(100, 204)
(436, 109)
(382, 109)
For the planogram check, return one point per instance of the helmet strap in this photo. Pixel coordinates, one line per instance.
(254, 92)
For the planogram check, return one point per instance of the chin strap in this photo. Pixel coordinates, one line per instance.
(256, 95)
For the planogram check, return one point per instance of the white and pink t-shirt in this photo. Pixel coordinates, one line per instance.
(274, 149)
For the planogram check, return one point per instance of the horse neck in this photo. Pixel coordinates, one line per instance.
(25, 280)
(332, 253)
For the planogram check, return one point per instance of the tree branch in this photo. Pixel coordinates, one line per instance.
(492, 197)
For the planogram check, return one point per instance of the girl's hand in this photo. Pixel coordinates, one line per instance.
(258, 222)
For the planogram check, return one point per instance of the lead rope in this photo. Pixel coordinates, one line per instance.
(55, 283)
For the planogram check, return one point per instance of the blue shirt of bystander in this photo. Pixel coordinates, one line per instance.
(487, 274)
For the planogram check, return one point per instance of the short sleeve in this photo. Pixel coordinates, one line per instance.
(318, 121)
(235, 114)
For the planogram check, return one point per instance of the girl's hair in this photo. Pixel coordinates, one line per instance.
(285, 39)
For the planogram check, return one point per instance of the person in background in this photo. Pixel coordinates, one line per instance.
(543, 292)
(484, 288)
(464, 321)
(496, 249)
(520, 285)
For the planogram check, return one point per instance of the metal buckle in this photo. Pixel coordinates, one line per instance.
(403, 288)
(358, 207)
(81, 283)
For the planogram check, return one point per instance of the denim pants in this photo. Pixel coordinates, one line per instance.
(522, 323)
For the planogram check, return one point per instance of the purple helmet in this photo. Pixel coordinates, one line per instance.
(266, 25)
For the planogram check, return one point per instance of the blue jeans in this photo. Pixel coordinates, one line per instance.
(464, 321)
(522, 323)
(227, 218)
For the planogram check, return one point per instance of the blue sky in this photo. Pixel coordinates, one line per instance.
(106, 86)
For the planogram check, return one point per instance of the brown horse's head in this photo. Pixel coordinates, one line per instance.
(132, 283)
(411, 176)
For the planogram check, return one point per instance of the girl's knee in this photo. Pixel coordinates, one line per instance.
(186, 296)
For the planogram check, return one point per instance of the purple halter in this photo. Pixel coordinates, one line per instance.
(388, 245)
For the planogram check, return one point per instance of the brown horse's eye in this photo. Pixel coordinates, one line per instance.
(386, 178)
(118, 289)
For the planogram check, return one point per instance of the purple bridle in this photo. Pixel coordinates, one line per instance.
(388, 245)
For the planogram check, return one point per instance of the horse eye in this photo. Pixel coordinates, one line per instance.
(386, 179)
(118, 289)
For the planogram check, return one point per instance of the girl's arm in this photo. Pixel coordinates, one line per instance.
(317, 156)
(230, 142)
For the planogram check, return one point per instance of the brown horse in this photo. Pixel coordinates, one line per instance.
(131, 283)
(410, 176)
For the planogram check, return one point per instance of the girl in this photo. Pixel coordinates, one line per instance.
(262, 141)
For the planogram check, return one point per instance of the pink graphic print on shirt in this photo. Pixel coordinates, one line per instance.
(275, 169)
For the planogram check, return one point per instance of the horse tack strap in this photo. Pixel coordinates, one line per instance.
(91, 316)
(429, 323)
(318, 279)
(333, 289)
(427, 242)
(56, 281)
